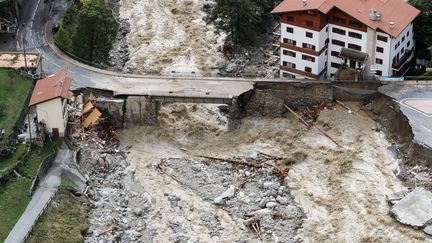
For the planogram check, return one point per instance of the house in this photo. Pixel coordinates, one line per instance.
(49, 98)
(316, 38)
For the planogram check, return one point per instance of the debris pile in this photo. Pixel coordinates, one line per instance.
(413, 209)
(117, 201)
(252, 189)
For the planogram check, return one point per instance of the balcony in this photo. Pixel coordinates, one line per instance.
(406, 58)
(277, 30)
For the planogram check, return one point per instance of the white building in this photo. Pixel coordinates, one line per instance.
(50, 99)
(316, 37)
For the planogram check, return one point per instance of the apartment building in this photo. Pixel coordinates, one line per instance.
(316, 39)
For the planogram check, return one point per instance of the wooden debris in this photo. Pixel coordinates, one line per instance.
(312, 124)
(281, 172)
(246, 180)
(346, 107)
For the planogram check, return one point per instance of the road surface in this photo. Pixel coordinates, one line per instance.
(40, 199)
(416, 104)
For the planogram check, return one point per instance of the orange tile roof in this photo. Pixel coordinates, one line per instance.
(51, 87)
(397, 11)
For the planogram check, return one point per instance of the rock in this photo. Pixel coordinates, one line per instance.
(231, 67)
(428, 229)
(396, 197)
(415, 209)
(282, 200)
(271, 205)
(138, 211)
(229, 193)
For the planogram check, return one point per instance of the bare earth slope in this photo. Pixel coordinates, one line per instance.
(169, 35)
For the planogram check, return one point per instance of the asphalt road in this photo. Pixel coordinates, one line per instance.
(420, 121)
(40, 199)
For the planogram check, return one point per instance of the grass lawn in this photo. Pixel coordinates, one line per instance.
(9, 163)
(14, 197)
(65, 219)
(14, 193)
(13, 93)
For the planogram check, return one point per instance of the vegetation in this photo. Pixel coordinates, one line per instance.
(14, 193)
(65, 219)
(8, 164)
(88, 31)
(14, 199)
(13, 93)
(423, 28)
(245, 21)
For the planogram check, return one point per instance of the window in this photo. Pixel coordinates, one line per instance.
(326, 41)
(339, 20)
(335, 65)
(408, 33)
(308, 46)
(378, 72)
(380, 49)
(289, 41)
(309, 34)
(408, 43)
(335, 53)
(397, 45)
(326, 52)
(355, 35)
(287, 75)
(288, 64)
(308, 69)
(403, 39)
(289, 30)
(338, 31)
(327, 29)
(290, 18)
(309, 23)
(382, 38)
(356, 23)
(378, 61)
(289, 53)
(402, 51)
(308, 58)
(354, 47)
(338, 43)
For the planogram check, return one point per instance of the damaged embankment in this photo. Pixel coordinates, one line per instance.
(387, 112)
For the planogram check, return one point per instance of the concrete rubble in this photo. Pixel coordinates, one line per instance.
(415, 209)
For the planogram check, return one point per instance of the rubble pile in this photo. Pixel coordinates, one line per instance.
(251, 189)
(117, 201)
(254, 61)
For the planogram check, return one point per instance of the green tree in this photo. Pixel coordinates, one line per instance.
(423, 28)
(245, 21)
(95, 32)
(63, 39)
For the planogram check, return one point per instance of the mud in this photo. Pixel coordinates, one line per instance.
(341, 188)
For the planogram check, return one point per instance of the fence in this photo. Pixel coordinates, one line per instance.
(40, 214)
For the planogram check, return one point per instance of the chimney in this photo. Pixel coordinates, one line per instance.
(305, 2)
(392, 25)
(374, 15)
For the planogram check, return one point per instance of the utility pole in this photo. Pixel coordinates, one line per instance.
(29, 127)
(25, 57)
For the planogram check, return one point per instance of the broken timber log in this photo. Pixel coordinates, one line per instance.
(346, 107)
(281, 172)
(308, 125)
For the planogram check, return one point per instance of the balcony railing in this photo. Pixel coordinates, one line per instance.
(404, 59)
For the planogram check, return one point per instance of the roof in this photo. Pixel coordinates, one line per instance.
(353, 54)
(397, 11)
(51, 87)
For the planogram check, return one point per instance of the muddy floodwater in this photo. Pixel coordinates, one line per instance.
(341, 189)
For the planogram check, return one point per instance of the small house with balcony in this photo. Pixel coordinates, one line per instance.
(49, 98)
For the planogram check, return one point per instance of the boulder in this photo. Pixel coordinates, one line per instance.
(415, 209)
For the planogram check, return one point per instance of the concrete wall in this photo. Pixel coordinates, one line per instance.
(140, 110)
(53, 114)
(270, 100)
